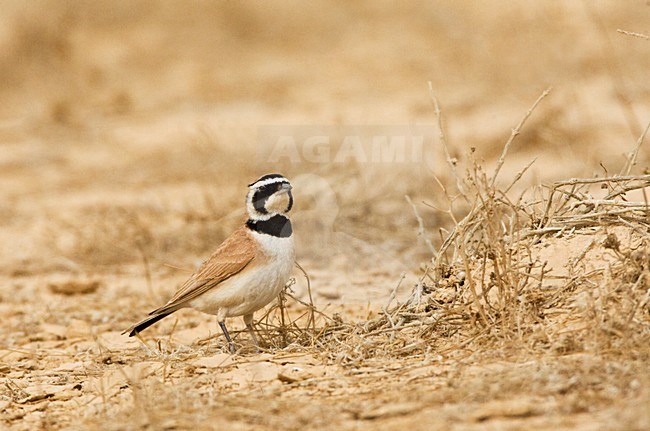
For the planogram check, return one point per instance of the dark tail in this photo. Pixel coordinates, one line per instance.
(139, 327)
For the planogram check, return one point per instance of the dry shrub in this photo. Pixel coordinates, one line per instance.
(490, 287)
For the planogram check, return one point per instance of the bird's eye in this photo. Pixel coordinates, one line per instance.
(262, 188)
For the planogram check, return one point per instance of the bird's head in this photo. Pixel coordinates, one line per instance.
(269, 196)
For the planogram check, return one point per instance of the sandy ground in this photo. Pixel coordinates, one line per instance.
(129, 132)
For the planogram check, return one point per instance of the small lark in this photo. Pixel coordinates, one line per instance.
(248, 270)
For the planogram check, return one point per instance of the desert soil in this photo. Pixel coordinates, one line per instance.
(129, 132)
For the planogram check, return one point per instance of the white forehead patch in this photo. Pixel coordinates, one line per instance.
(268, 181)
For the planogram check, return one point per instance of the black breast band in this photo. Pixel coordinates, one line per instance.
(278, 226)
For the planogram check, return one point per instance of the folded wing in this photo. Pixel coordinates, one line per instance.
(233, 255)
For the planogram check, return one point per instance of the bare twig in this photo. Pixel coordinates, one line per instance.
(519, 175)
(421, 230)
(631, 160)
(616, 179)
(312, 318)
(515, 132)
(633, 34)
(452, 162)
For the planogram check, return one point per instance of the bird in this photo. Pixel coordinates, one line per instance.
(250, 267)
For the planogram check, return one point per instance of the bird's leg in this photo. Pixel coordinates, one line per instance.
(248, 320)
(231, 345)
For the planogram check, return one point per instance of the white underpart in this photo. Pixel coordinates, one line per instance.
(255, 287)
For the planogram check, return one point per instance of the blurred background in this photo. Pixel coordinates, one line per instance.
(129, 129)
